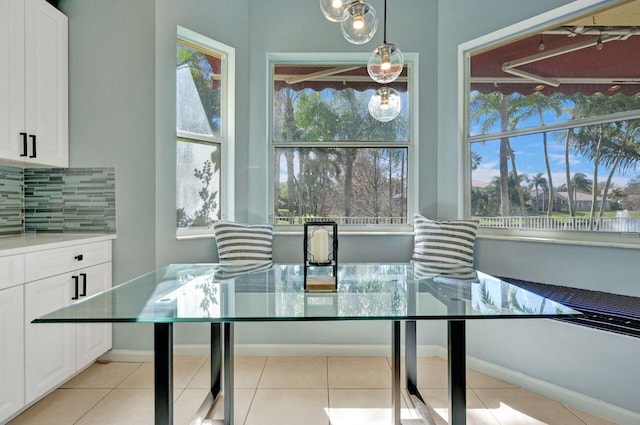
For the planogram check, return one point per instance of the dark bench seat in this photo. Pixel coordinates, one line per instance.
(603, 310)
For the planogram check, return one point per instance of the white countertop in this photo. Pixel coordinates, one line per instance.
(20, 244)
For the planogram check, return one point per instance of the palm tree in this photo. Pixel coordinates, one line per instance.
(287, 99)
(512, 156)
(598, 142)
(476, 159)
(538, 181)
(537, 104)
(492, 108)
(618, 194)
(567, 170)
(621, 154)
(351, 125)
(580, 183)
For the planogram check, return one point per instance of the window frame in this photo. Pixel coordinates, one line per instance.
(337, 59)
(494, 39)
(226, 139)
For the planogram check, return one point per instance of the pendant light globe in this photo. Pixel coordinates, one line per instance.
(386, 63)
(385, 104)
(333, 10)
(360, 22)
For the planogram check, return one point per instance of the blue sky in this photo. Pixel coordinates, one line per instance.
(530, 157)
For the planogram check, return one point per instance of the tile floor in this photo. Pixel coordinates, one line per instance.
(291, 390)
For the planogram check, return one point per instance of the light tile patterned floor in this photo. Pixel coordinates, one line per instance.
(291, 390)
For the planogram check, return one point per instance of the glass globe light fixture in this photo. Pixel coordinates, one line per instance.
(333, 10)
(360, 22)
(384, 104)
(385, 63)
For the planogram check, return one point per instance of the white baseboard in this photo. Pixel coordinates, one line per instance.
(301, 350)
(555, 392)
(563, 395)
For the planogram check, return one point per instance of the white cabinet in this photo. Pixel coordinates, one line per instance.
(37, 278)
(54, 352)
(34, 128)
(11, 351)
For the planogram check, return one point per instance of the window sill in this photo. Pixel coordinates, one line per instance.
(298, 231)
(195, 233)
(596, 239)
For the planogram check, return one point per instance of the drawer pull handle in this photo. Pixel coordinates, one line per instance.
(75, 284)
(33, 146)
(24, 144)
(84, 285)
(78, 257)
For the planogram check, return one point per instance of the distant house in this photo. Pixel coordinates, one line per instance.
(561, 201)
(480, 184)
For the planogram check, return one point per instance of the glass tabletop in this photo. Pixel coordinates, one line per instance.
(275, 292)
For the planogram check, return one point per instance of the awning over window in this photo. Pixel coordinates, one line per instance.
(330, 77)
(216, 68)
(576, 63)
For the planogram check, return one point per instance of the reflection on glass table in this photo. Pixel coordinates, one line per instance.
(226, 293)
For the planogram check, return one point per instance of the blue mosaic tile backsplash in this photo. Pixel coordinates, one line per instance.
(11, 200)
(73, 200)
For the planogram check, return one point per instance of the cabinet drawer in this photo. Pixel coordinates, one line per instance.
(11, 271)
(51, 262)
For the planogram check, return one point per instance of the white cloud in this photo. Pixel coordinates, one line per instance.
(558, 159)
(486, 171)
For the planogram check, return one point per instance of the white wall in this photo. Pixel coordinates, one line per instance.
(111, 119)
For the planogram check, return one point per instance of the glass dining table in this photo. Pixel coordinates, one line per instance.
(223, 294)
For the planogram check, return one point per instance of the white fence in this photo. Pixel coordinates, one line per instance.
(342, 220)
(605, 224)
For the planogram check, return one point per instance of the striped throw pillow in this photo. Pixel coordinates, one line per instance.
(444, 247)
(243, 243)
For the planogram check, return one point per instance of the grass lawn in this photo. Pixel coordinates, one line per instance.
(632, 214)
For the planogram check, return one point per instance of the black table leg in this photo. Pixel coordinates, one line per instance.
(228, 373)
(457, 373)
(163, 373)
(396, 401)
(216, 360)
(411, 357)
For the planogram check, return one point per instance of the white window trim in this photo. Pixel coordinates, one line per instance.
(413, 163)
(559, 126)
(227, 136)
(522, 28)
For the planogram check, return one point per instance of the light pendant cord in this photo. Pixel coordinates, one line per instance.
(384, 32)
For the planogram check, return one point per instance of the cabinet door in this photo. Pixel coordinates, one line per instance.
(12, 78)
(11, 351)
(93, 340)
(50, 349)
(46, 84)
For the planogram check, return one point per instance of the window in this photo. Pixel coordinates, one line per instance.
(554, 129)
(331, 160)
(204, 127)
